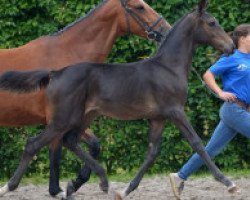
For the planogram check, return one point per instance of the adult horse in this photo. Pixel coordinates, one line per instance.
(155, 89)
(88, 39)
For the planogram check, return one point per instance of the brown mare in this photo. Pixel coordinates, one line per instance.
(88, 39)
(153, 89)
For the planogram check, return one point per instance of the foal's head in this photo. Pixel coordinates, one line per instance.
(139, 18)
(208, 31)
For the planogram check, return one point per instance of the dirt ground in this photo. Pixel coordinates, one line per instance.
(155, 188)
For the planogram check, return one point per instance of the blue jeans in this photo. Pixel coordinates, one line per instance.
(233, 119)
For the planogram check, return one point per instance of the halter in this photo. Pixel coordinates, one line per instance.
(151, 33)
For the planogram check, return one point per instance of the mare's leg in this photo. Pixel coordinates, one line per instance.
(156, 127)
(33, 145)
(181, 122)
(94, 149)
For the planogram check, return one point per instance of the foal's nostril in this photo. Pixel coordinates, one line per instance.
(229, 49)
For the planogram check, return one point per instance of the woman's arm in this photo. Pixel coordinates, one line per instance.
(211, 83)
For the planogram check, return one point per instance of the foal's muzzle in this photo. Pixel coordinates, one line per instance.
(229, 49)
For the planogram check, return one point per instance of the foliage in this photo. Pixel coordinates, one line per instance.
(123, 144)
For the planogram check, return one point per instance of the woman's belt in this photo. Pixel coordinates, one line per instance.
(243, 104)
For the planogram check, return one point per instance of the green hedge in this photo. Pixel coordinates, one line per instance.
(123, 143)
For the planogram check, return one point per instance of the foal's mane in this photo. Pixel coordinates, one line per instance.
(170, 33)
(90, 13)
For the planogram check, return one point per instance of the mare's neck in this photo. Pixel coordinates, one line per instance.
(177, 50)
(92, 38)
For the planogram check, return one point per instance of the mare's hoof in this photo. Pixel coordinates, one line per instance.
(68, 198)
(117, 196)
(61, 195)
(234, 190)
(70, 189)
(104, 187)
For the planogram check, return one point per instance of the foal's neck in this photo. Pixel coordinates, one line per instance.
(177, 50)
(92, 38)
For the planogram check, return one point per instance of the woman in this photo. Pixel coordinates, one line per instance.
(234, 113)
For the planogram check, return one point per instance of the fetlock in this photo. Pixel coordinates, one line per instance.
(54, 191)
(71, 188)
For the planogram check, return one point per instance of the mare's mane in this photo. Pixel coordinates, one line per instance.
(90, 13)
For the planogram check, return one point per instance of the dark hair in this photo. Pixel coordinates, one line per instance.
(240, 31)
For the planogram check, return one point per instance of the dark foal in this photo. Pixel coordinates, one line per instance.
(154, 89)
(73, 44)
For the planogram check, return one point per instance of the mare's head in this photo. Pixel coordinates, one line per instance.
(137, 17)
(208, 31)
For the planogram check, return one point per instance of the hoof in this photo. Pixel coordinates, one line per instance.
(118, 196)
(70, 189)
(61, 195)
(4, 190)
(234, 190)
(68, 198)
(104, 187)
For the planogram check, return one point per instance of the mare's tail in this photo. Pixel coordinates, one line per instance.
(24, 81)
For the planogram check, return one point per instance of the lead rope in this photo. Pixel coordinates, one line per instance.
(205, 85)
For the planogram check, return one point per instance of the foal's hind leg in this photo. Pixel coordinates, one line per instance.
(33, 145)
(94, 149)
(156, 127)
(55, 156)
(181, 122)
(70, 141)
(55, 151)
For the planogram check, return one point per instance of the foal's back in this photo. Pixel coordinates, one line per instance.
(122, 91)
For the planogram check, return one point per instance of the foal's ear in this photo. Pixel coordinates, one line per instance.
(202, 6)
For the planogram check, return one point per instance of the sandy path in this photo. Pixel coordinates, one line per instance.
(155, 188)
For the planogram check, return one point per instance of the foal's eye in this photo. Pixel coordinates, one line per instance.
(211, 23)
(139, 8)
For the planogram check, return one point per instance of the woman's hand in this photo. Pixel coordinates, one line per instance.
(210, 81)
(227, 96)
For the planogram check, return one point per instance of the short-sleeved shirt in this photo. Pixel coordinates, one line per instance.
(235, 73)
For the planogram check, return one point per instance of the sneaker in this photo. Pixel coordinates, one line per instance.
(233, 189)
(177, 185)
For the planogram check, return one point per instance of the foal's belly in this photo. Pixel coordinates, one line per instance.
(22, 109)
(128, 112)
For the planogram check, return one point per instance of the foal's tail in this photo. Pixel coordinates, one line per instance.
(24, 81)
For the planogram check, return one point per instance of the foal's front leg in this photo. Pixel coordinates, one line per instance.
(181, 122)
(156, 128)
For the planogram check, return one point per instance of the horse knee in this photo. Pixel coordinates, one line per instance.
(197, 146)
(30, 147)
(70, 139)
(154, 151)
(95, 148)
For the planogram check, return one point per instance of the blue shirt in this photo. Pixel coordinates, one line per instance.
(235, 73)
